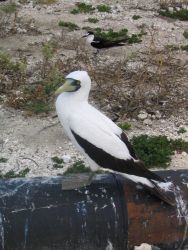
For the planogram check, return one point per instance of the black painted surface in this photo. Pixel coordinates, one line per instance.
(36, 214)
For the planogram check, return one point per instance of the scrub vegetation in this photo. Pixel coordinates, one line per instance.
(82, 8)
(77, 167)
(125, 125)
(88, 8)
(156, 151)
(181, 130)
(13, 174)
(93, 20)
(185, 34)
(118, 35)
(103, 8)
(57, 162)
(181, 14)
(9, 8)
(14, 70)
(36, 98)
(47, 2)
(136, 17)
(3, 160)
(71, 26)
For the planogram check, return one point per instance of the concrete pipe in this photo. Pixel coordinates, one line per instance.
(110, 214)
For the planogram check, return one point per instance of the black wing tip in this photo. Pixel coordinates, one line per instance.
(166, 196)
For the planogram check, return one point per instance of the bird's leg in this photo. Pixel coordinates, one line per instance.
(75, 181)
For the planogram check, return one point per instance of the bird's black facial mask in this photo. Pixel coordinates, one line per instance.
(70, 85)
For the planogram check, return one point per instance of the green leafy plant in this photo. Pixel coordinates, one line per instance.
(8, 65)
(125, 126)
(181, 14)
(112, 35)
(3, 160)
(47, 2)
(156, 151)
(9, 8)
(136, 17)
(103, 8)
(185, 34)
(118, 35)
(83, 8)
(16, 70)
(177, 47)
(71, 26)
(37, 107)
(23, 173)
(181, 130)
(12, 174)
(36, 98)
(135, 38)
(93, 20)
(179, 145)
(77, 167)
(58, 162)
(48, 50)
(184, 47)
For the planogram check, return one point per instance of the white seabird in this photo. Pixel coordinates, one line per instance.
(99, 139)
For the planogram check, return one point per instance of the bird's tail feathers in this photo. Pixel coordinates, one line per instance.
(163, 190)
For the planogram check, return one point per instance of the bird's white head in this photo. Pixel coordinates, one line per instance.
(89, 37)
(77, 83)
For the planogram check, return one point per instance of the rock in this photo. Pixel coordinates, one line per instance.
(171, 9)
(153, 117)
(143, 246)
(143, 115)
(158, 114)
(66, 158)
(147, 122)
(184, 154)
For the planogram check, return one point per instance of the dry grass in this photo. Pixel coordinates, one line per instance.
(157, 83)
(154, 80)
(167, 3)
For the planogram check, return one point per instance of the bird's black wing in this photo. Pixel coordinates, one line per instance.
(100, 42)
(108, 161)
(129, 166)
(125, 140)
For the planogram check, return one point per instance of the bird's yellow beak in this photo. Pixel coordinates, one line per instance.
(70, 85)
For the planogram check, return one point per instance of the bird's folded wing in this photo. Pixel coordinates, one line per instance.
(101, 132)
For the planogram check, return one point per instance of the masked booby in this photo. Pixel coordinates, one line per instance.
(99, 139)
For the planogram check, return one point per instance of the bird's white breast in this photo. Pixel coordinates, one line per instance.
(90, 39)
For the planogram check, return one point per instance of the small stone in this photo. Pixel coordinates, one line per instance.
(184, 154)
(158, 114)
(171, 9)
(66, 158)
(153, 117)
(143, 246)
(147, 122)
(142, 116)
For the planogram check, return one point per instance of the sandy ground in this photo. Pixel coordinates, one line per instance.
(32, 141)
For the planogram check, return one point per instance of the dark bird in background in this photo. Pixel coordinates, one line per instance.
(101, 43)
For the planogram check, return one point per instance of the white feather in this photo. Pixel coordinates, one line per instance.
(90, 38)
(75, 113)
